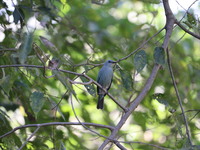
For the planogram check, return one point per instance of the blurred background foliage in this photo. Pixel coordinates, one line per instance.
(79, 35)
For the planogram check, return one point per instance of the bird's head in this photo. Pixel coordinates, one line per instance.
(110, 63)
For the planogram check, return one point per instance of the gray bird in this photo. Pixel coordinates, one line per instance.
(105, 76)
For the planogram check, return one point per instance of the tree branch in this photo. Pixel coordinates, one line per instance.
(141, 46)
(178, 97)
(169, 27)
(56, 123)
(29, 138)
(186, 30)
(70, 72)
(153, 145)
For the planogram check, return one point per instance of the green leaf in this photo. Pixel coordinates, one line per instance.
(191, 18)
(126, 80)
(3, 116)
(140, 60)
(159, 55)
(26, 47)
(63, 79)
(188, 24)
(160, 98)
(90, 88)
(37, 101)
(6, 83)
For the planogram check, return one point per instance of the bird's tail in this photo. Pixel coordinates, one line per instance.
(100, 102)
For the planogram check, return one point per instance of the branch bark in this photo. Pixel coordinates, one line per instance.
(57, 123)
(186, 30)
(70, 72)
(169, 28)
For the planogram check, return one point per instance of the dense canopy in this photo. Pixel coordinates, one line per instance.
(50, 55)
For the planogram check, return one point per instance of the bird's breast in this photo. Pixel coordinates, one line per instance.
(105, 76)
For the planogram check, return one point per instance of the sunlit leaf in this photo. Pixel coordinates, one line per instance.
(126, 80)
(140, 60)
(159, 55)
(37, 101)
(160, 98)
(63, 7)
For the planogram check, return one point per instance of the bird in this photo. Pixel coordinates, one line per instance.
(104, 78)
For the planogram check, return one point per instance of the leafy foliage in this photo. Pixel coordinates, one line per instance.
(77, 36)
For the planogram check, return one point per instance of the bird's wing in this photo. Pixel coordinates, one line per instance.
(110, 84)
(98, 82)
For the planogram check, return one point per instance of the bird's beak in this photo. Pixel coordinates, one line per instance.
(114, 63)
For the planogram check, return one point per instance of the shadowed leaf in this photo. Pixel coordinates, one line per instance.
(26, 47)
(159, 55)
(140, 60)
(63, 79)
(160, 98)
(127, 80)
(37, 101)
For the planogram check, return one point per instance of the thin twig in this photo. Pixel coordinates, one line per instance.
(141, 46)
(194, 116)
(29, 138)
(186, 11)
(191, 110)
(186, 30)
(153, 145)
(91, 129)
(178, 97)
(83, 83)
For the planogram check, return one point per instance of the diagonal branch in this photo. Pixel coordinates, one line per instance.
(169, 27)
(186, 30)
(70, 72)
(29, 138)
